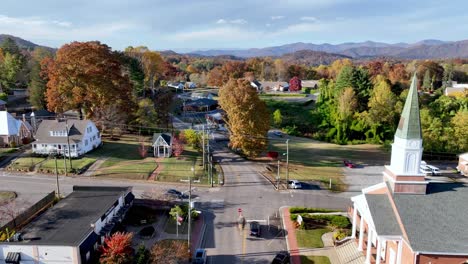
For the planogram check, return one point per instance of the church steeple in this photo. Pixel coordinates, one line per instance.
(409, 126)
(404, 173)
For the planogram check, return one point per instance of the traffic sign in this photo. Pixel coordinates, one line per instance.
(239, 210)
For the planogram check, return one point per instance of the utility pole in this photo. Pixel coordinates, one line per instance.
(190, 209)
(203, 145)
(68, 142)
(278, 175)
(56, 177)
(65, 162)
(287, 163)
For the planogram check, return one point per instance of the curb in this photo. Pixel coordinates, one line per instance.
(284, 227)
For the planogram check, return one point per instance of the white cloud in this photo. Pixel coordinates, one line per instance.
(309, 18)
(37, 28)
(239, 21)
(277, 17)
(268, 24)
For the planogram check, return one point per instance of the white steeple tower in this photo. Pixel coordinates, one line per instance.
(404, 173)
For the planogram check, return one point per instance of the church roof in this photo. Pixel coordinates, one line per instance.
(382, 214)
(437, 221)
(409, 126)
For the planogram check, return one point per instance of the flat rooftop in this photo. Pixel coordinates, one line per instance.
(69, 221)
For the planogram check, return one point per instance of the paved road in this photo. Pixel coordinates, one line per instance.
(246, 189)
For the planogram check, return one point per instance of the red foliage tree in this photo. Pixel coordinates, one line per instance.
(117, 249)
(177, 146)
(142, 148)
(295, 84)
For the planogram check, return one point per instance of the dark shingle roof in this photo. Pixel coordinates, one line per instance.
(69, 221)
(382, 214)
(166, 136)
(76, 127)
(437, 221)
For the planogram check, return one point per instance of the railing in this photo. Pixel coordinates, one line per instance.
(342, 241)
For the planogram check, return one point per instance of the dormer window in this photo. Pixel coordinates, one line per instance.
(58, 133)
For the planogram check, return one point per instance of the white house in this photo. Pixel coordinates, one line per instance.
(72, 230)
(177, 85)
(60, 136)
(162, 145)
(190, 85)
(13, 131)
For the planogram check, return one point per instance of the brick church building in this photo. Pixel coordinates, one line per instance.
(406, 218)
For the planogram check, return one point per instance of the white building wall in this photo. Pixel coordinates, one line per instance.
(91, 140)
(32, 254)
(101, 223)
(406, 156)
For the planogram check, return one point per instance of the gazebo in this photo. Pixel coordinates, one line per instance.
(162, 144)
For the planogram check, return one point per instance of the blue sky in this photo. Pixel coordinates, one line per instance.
(184, 25)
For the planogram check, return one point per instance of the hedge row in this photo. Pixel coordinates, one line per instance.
(300, 210)
(337, 221)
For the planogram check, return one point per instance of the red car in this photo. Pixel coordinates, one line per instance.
(349, 164)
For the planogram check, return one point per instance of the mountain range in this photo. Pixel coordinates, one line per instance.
(315, 54)
(426, 49)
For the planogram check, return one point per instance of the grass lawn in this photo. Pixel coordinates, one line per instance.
(315, 160)
(122, 160)
(4, 151)
(310, 238)
(315, 260)
(78, 164)
(25, 163)
(283, 95)
(179, 168)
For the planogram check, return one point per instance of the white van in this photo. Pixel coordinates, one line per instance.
(426, 170)
(435, 170)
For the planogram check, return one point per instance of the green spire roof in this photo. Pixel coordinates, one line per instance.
(409, 126)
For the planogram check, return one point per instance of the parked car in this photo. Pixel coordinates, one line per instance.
(282, 257)
(278, 133)
(349, 164)
(435, 170)
(200, 256)
(294, 184)
(255, 229)
(176, 194)
(425, 170)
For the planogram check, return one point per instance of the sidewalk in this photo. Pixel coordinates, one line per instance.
(291, 241)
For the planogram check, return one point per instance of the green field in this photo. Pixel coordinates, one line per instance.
(48, 166)
(25, 163)
(315, 160)
(123, 160)
(180, 168)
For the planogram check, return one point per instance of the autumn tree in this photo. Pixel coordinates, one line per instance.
(37, 84)
(381, 106)
(277, 118)
(248, 120)
(346, 106)
(146, 114)
(215, 77)
(295, 84)
(192, 138)
(117, 249)
(177, 146)
(85, 76)
(170, 252)
(460, 130)
(280, 69)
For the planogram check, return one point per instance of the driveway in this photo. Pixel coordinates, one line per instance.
(362, 177)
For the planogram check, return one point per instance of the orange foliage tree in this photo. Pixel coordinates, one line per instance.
(117, 249)
(86, 76)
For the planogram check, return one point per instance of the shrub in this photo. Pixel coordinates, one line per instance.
(340, 234)
(142, 255)
(3, 96)
(298, 210)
